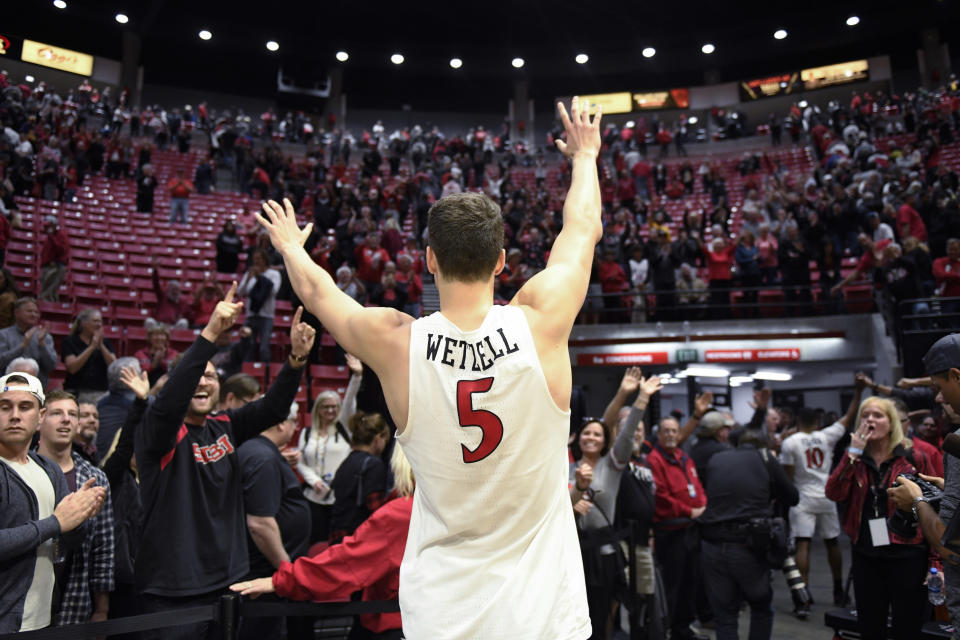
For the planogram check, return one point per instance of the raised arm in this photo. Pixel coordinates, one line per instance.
(623, 446)
(361, 331)
(349, 405)
(848, 419)
(701, 405)
(628, 385)
(571, 258)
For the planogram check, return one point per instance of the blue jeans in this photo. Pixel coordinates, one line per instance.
(260, 340)
(733, 573)
(179, 208)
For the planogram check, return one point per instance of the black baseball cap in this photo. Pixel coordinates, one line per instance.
(943, 355)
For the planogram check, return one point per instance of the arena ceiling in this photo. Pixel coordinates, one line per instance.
(486, 36)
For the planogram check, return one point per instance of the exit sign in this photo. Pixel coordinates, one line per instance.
(687, 355)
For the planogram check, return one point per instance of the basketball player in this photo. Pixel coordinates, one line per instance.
(480, 396)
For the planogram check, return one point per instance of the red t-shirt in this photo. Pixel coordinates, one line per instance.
(367, 271)
(180, 188)
(866, 260)
(908, 215)
(719, 262)
(612, 277)
(947, 274)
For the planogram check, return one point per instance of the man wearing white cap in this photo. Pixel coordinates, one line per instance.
(37, 508)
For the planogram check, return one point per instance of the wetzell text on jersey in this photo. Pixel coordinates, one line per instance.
(455, 351)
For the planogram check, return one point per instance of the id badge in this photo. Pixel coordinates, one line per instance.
(691, 490)
(878, 532)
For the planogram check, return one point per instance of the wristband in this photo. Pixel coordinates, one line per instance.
(855, 451)
(579, 489)
(297, 358)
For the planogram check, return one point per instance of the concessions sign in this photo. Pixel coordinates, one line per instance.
(834, 74)
(777, 85)
(622, 359)
(790, 354)
(57, 58)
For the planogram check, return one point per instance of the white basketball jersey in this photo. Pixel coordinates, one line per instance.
(811, 454)
(492, 551)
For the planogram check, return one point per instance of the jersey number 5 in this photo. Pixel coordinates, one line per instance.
(488, 422)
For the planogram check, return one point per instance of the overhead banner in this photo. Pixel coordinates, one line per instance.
(672, 99)
(752, 355)
(834, 74)
(57, 58)
(778, 85)
(611, 102)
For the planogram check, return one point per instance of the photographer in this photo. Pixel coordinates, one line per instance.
(736, 531)
(885, 557)
(942, 362)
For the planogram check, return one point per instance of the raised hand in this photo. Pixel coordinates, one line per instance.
(224, 315)
(582, 134)
(301, 335)
(281, 225)
(649, 386)
(631, 380)
(253, 588)
(861, 381)
(80, 505)
(136, 383)
(702, 403)
(354, 364)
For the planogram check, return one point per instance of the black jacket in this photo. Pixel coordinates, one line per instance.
(743, 484)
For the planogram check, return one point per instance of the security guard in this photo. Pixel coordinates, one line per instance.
(743, 484)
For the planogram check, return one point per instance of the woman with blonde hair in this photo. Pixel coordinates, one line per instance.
(324, 446)
(369, 560)
(888, 568)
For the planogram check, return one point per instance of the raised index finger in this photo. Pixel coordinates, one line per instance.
(296, 316)
(231, 292)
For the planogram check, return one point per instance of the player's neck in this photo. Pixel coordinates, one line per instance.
(466, 304)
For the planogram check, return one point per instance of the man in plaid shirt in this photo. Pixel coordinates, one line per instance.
(89, 569)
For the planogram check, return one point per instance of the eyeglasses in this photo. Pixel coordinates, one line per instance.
(588, 419)
(212, 377)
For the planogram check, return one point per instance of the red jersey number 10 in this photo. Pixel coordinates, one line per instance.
(488, 422)
(814, 458)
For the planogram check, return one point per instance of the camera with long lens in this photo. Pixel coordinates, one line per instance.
(903, 523)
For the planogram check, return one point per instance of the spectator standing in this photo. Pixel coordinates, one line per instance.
(89, 569)
(691, 290)
(193, 543)
(909, 222)
(53, 259)
(260, 285)
(86, 353)
(360, 484)
(278, 518)
(748, 268)
(412, 284)
(8, 297)
(743, 483)
(146, 185)
(156, 357)
(172, 308)
(371, 259)
(946, 272)
(114, 406)
(613, 283)
(205, 299)
(663, 263)
(888, 570)
(368, 560)
(38, 508)
(324, 446)
(229, 248)
(28, 338)
(680, 500)
(794, 257)
(180, 189)
(88, 424)
(719, 258)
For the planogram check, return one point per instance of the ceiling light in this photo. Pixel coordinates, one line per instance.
(343, 56)
(708, 48)
(396, 58)
(853, 21)
(272, 45)
(517, 63)
(28, 78)
(59, 4)
(205, 35)
(780, 34)
(649, 52)
(707, 372)
(740, 379)
(777, 376)
(456, 63)
(630, 124)
(802, 104)
(582, 58)
(121, 18)
(693, 120)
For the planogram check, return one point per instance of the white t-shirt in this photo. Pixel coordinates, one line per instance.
(810, 455)
(492, 551)
(36, 608)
